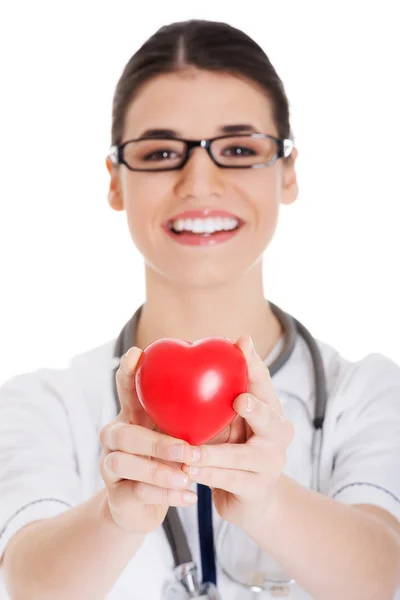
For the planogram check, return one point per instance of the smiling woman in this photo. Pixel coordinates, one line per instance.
(154, 151)
(226, 159)
(305, 502)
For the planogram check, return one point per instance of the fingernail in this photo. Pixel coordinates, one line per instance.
(250, 404)
(179, 480)
(177, 452)
(194, 470)
(189, 497)
(196, 453)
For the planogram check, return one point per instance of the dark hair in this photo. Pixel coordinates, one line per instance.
(206, 45)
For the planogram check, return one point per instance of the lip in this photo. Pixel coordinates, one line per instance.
(188, 239)
(203, 214)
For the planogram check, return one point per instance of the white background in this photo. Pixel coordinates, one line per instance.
(70, 276)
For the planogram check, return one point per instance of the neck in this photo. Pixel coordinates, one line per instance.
(229, 310)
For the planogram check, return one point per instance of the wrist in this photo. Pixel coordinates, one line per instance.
(269, 513)
(259, 516)
(112, 527)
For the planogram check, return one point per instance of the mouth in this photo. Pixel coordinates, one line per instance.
(203, 228)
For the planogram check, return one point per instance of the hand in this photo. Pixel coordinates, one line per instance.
(141, 467)
(244, 475)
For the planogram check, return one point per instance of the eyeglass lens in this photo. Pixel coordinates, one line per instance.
(238, 151)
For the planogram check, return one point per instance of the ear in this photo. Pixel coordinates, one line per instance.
(290, 189)
(114, 194)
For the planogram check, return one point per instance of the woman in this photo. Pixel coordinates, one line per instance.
(202, 228)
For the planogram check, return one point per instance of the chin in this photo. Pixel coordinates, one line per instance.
(207, 271)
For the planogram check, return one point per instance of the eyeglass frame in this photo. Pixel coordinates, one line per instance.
(285, 148)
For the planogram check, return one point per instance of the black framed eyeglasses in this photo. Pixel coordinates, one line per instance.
(241, 151)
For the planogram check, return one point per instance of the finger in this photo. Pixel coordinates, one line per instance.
(119, 465)
(125, 380)
(134, 439)
(150, 494)
(241, 457)
(107, 475)
(264, 420)
(240, 483)
(260, 383)
(127, 495)
(102, 438)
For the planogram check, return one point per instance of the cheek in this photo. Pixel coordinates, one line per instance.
(263, 199)
(143, 204)
(269, 215)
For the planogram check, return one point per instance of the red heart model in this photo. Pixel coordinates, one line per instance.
(188, 388)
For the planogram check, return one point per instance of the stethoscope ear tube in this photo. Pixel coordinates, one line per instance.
(321, 394)
(177, 538)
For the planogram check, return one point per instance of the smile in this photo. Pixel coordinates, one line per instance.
(203, 228)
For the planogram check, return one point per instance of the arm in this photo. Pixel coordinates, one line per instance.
(81, 552)
(316, 538)
(333, 547)
(68, 552)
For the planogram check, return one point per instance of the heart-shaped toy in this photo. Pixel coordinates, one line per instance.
(188, 388)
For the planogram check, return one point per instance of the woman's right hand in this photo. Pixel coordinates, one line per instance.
(141, 467)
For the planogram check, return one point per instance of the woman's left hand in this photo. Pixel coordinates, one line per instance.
(244, 476)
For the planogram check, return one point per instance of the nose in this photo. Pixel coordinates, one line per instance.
(200, 178)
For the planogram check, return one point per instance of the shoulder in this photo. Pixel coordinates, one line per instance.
(365, 386)
(361, 385)
(86, 376)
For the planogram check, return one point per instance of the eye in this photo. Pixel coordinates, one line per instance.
(161, 155)
(238, 151)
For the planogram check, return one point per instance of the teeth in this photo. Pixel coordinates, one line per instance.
(209, 225)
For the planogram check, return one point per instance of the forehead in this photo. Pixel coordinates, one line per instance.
(197, 103)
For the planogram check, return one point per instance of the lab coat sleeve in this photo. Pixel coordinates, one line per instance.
(38, 469)
(366, 457)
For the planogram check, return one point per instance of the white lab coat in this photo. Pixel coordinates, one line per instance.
(50, 451)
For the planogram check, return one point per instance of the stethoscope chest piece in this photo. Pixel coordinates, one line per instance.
(176, 591)
(187, 585)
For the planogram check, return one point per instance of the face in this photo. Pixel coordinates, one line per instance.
(197, 105)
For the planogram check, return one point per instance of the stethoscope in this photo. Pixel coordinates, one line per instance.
(187, 584)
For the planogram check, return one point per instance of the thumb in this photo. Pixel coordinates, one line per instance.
(131, 409)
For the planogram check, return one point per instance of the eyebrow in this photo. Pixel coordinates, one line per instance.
(224, 129)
